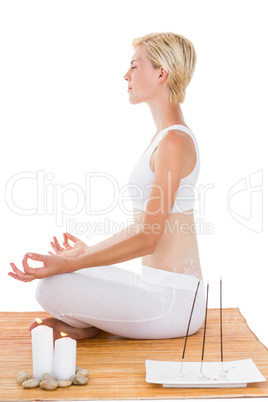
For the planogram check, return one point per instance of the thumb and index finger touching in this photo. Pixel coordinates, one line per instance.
(70, 237)
(35, 257)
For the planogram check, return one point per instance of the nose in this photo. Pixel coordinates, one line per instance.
(126, 77)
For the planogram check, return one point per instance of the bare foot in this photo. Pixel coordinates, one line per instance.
(60, 326)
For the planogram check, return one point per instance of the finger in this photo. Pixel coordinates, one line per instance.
(49, 252)
(71, 237)
(57, 244)
(15, 269)
(14, 276)
(21, 275)
(33, 273)
(65, 241)
(27, 269)
(54, 247)
(37, 257)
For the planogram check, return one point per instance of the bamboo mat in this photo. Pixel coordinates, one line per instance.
(117, 365)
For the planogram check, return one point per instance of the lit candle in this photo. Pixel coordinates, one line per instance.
(64, 358)
(42, 350)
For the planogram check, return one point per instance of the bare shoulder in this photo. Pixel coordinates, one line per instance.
(177, 140)
(175, 146)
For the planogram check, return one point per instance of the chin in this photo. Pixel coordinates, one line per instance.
(134, 101)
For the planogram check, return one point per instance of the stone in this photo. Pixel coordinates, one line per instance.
(50, 384)
(79, 379)
(33, 383)
(22, 377)
(46, 376)
(78, 368)
(64, 383)
(83, 372)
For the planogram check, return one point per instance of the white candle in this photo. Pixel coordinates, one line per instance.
(64, 358)
(42, 350)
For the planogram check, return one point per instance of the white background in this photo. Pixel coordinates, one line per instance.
(65, 114)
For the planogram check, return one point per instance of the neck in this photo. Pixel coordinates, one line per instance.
(165, 114)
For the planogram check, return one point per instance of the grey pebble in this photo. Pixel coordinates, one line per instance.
(64, 383)
(79, 379)
(50, 384)
(33, 383)
(22, 377)
(83, 372)
(48, 381)
(46, 376)
(78, 368)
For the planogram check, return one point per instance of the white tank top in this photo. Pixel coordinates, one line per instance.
(141, 178)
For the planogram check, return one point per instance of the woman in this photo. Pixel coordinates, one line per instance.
(80, 286)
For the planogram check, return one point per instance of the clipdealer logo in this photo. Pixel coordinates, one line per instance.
(38, 193)
(50, 198)
(64, 201)
(245, 201)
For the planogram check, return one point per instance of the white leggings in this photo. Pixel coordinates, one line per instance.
(154, 305)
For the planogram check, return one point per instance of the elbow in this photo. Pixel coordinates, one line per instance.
(150, 249)
(150, 242)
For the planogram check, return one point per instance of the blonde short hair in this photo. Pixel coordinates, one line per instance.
(176, 55)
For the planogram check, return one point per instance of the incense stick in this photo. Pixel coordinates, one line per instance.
(186, 337)
(221, 322)
(204, 335)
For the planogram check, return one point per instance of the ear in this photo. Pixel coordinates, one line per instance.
(162, 75)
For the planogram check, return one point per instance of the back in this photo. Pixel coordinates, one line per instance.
(141, 178)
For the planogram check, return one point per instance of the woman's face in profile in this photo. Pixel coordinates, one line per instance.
(141, 77)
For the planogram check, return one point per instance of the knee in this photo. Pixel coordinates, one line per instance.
(46, 291)
(41, 293)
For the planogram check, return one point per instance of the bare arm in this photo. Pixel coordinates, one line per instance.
(80, 247)
(134, 245)
(170, 163)
(115, 239)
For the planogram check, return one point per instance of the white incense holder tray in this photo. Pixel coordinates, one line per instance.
(236, 374)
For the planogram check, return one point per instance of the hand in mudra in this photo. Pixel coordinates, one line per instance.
(77, 249)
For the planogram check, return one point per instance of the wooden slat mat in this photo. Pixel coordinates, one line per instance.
(117, 365)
